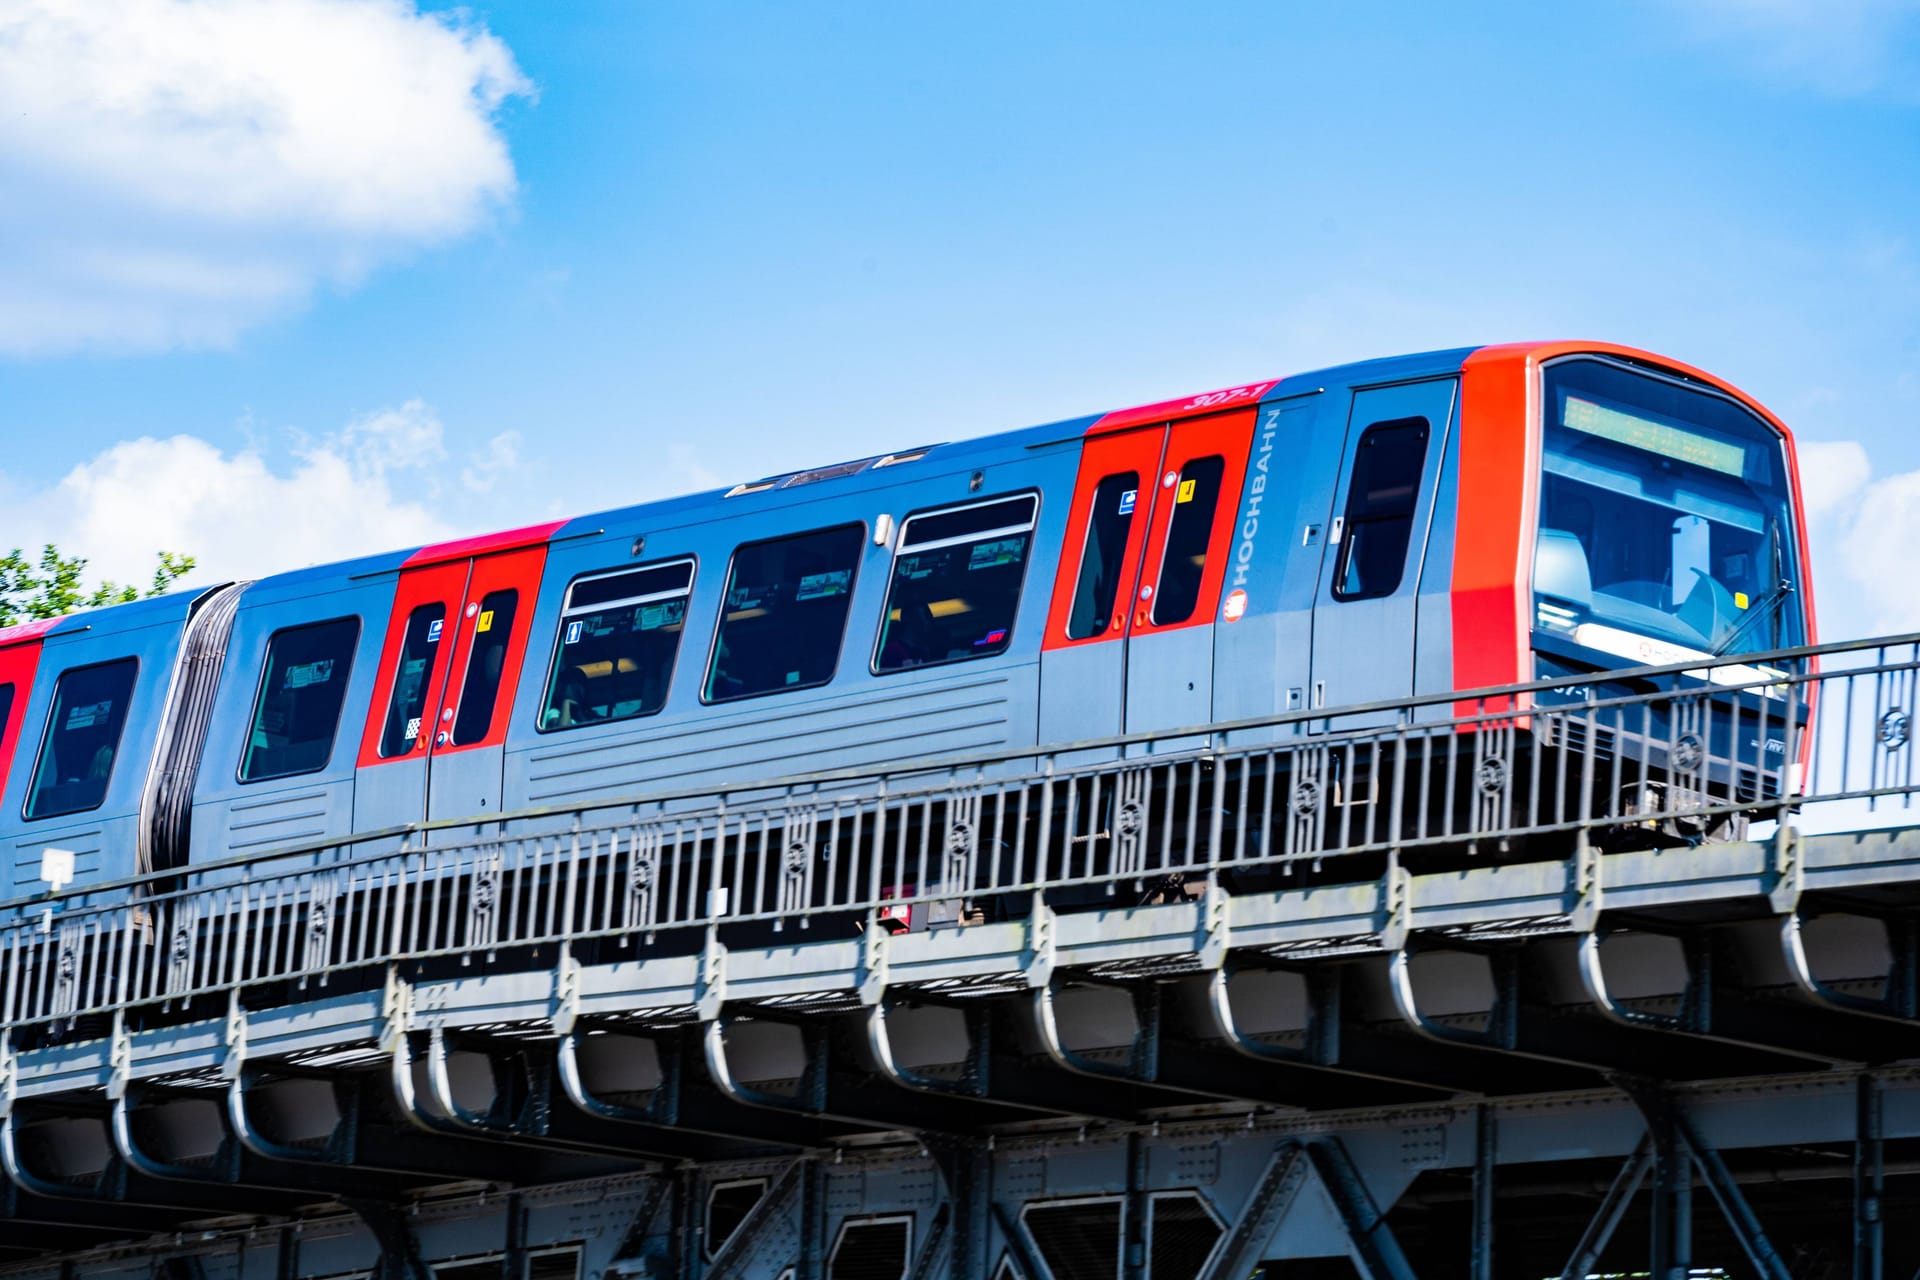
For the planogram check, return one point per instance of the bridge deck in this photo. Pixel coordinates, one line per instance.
(1372, 952)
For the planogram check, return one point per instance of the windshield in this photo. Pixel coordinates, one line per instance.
(1663, 515)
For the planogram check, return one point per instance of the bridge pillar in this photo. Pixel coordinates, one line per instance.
(1869, 1182)
(1485, 1155)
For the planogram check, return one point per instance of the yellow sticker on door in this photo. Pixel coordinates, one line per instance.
(485, 623)
(1186, 492)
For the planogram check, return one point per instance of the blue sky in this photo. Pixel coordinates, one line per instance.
(358, 274)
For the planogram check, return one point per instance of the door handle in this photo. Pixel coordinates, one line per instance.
(1339, 527)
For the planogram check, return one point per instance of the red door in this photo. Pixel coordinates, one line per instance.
(1112, 509)
(1083, 657)
(434, 743)
(1170, 633)
(1145, 554)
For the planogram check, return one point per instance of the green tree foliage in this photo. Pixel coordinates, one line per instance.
(56, 585)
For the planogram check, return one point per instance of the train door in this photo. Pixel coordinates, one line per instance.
(1129, 646)
(1083, 673)
(1363, 615)
(433, 746)
(1190, 531)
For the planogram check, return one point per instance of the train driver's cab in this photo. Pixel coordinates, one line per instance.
(1666, 526)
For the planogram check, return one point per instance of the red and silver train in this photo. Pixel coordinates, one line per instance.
(1415, 525)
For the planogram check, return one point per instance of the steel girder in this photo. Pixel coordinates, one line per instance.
(841, 1082)
(686, 1099)
(21, 1208)
(1607, 1036)
(233, 1163)
(527, 1105)
(1201, 1070)
(120, 1180)
(1338, 1039)
(367, 1137)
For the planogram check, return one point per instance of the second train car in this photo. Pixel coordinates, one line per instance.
(1447, 521)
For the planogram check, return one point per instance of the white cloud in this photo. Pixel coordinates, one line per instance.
(1839, 46)
(1866, 535)
(500, 458)
(173, 171)
(374, 485)
(1880, 538)
(1830, 473)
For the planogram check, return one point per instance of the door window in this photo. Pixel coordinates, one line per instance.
(1196, 494)
(486, 659)
(82, 739)
(784, 613)
(956, 584)
(404, 725)
(619, 636)
(297, 710)
(1380, 504)
(1115, 500)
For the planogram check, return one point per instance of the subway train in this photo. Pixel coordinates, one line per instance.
(1414, 525)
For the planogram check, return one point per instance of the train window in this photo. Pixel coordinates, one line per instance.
(619, 636)
(82, 738)
(1380, 501)
(1194, 499)
(297, 710)
(412, 679)
(1665, 511)
(1114, 500)
(486, 659)
(784, 613)
(956, 583)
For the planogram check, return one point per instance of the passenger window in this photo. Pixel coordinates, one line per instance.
(1380, 500)
(619, 636)
(297, 710)
(408, 705)
(1195, 496)
(83, 735)
(956, 584)
(784, 613)
(486, 656)
(1114, 500)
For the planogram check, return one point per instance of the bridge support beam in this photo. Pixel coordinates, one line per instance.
(1677, 1150)
(1869, 1182)
(1375, 1250)
(1670, 1254)
(1485, 1156)
(1613, 1207)
(399, 1250)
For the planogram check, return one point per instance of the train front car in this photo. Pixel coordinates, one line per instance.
(1661, 526)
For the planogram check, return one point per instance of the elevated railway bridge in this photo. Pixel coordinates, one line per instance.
(1549, 980)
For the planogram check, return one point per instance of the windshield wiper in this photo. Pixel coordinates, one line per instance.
(1765, 607)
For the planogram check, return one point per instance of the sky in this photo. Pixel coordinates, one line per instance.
(286, 281)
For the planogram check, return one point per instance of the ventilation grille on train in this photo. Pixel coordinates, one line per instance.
(871, 1251)
(1078, 1240)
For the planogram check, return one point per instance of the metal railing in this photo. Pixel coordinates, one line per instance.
(1664, 755)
